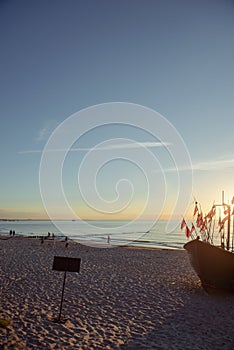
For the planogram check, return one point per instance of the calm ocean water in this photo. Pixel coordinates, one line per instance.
(137, 233)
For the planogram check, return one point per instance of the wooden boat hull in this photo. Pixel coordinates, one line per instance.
(213, 265)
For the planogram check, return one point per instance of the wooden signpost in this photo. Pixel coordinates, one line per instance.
(62, 263)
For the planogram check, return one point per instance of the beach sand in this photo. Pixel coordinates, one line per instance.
(123, 298)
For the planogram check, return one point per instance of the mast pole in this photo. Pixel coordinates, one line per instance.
(229, 221)
(228, 206)
(232, 232)
(228, 230)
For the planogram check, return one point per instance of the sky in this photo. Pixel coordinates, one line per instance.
(58, 57)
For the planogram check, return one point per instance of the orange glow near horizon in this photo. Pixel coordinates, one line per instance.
(38, 212)
(84, 213)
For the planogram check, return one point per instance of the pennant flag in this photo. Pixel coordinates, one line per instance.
(183, 224)
(224, 219)
(213, 211)
(203, 227)
(208, 218)
(232, 200)
(221, 227)
(192, 229)
(195, 209)
(187, 232)
(199, 220)
(211, 214)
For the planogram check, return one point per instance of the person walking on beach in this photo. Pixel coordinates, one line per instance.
(66, 242)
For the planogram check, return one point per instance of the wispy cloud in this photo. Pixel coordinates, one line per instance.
(212, 165)
(109, 147)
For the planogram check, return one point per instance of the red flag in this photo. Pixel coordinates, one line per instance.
(221, 227)
(224, 219)
(211, 213)
(183, 224)
(192, 229)
(208, 217)
(187, 232)
(195, 209)
(214, 211)
(199, 221)
(203, 227)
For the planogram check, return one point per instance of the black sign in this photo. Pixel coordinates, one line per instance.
(62, 263)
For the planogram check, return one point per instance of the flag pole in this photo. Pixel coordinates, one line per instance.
(228, 206)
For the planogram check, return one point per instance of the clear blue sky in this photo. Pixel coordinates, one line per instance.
(58, 57)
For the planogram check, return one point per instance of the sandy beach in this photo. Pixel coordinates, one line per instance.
(123, 298)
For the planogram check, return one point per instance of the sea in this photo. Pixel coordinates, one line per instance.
(161, 234)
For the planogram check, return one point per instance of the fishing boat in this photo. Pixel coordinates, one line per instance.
(213, 263)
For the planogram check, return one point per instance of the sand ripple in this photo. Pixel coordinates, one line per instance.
(122, 299)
